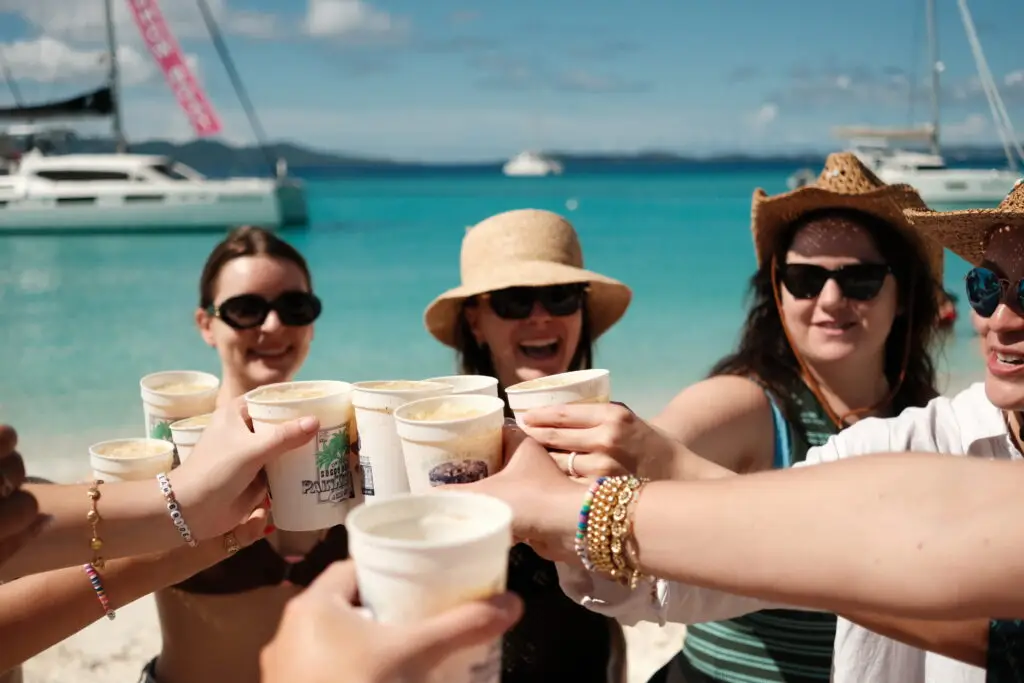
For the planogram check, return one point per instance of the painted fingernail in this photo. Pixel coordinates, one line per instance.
(269, 530)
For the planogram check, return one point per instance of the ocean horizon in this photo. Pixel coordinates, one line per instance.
(87, 315)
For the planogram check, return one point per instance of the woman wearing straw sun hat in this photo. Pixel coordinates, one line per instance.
(840, 327)
(526, 308)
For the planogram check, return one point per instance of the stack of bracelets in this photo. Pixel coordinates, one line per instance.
(604, 534)
(92, 569)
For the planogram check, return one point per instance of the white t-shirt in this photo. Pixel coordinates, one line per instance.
(966, 424)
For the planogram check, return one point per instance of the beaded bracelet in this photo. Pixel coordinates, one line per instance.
(94, 519)
(581, 526)
(97, 586)
(609, 530)
(175, 510)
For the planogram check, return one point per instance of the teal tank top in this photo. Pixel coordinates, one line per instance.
(772, 645)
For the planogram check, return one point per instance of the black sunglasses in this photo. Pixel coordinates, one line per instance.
(857, 281)
(986, 290)
(247, 311)
(516, 303)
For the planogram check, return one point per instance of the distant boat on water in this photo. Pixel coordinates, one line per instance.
(529, 163)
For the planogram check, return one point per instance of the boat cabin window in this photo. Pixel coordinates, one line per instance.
(79, 176)
(165, 170)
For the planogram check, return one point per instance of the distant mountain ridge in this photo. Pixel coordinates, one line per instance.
(207, 154)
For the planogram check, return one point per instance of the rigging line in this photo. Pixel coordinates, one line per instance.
(236, 81)
(12, 85)
(915, 40)
(1001, 118)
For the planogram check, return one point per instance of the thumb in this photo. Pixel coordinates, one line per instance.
(433, 640)
(271, 440)
(253, 528)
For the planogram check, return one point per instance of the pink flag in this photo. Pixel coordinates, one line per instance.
(167, 53)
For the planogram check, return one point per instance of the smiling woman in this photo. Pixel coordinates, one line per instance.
(527, 309)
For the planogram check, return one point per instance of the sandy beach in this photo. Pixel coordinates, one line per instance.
(112, 651)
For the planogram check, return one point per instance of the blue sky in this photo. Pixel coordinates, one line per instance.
(464, 80)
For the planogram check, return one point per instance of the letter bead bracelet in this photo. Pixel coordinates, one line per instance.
(175, 510)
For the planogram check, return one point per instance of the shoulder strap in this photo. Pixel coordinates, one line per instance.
(783, 448)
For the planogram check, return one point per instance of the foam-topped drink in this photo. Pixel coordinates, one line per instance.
(311, 487)
(418, 555)
(453, 439)
(484, 385)
(380, 450)
(578, 386)
(130, 459)
(185, 434)
(174, 395)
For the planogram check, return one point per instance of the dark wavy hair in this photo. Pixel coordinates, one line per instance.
(765, 354)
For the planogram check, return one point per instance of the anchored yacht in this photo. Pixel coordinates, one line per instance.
(136, 192)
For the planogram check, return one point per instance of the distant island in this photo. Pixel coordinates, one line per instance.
(212, 156)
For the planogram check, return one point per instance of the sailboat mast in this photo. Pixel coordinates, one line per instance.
(113, 78)
(935, 67)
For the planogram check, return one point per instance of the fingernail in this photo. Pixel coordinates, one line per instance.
(266, 501)
(269, 530)
(309, 423)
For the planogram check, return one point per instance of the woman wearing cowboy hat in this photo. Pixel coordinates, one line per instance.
(843, 317)
(526, 308)
(676, 523)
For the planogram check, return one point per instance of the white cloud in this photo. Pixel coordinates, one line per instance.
(48, 60)
(347, 18)
(765, 116)
(1014, 79)
(85, 21)
(971, 128)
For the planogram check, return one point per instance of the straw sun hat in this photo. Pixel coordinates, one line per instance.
(844, 183)
(525, 248)
(966, 233)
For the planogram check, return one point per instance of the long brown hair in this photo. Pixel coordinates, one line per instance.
(246, 241)
(765, 354)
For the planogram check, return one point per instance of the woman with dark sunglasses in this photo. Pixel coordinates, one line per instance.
(526, 309)
(257, 309)
(844, 312)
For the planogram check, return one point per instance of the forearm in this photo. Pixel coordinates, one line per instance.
(133, 521)
(39, 611)
(965, 640)
(681, 464)
(853, 535)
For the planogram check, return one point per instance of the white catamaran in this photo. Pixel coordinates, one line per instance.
(927, 171)
(43, 190)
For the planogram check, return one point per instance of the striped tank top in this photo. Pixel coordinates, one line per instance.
(772, 645)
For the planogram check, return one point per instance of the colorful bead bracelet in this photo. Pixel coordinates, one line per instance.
(581, 526)
(97, 586)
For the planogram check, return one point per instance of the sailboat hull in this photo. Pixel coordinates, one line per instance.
(954, 186)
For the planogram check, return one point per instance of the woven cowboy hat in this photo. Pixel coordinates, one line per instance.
(844, 183)
(525, 248)
(966, 233)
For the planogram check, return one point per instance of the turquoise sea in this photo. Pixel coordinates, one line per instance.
(83, 317)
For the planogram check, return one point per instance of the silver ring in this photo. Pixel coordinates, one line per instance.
(572, 470)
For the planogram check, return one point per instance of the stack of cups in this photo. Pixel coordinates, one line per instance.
(450, 439)
(130, 459)
(579, 386)
(174, 395)
(311, 487)
(380, 450)
(417, 556)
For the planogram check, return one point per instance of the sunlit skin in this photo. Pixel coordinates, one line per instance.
(270, 353)
(1004, 336)
(517, 346)
(831, 329)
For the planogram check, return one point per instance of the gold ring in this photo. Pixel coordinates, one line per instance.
(231, 543)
